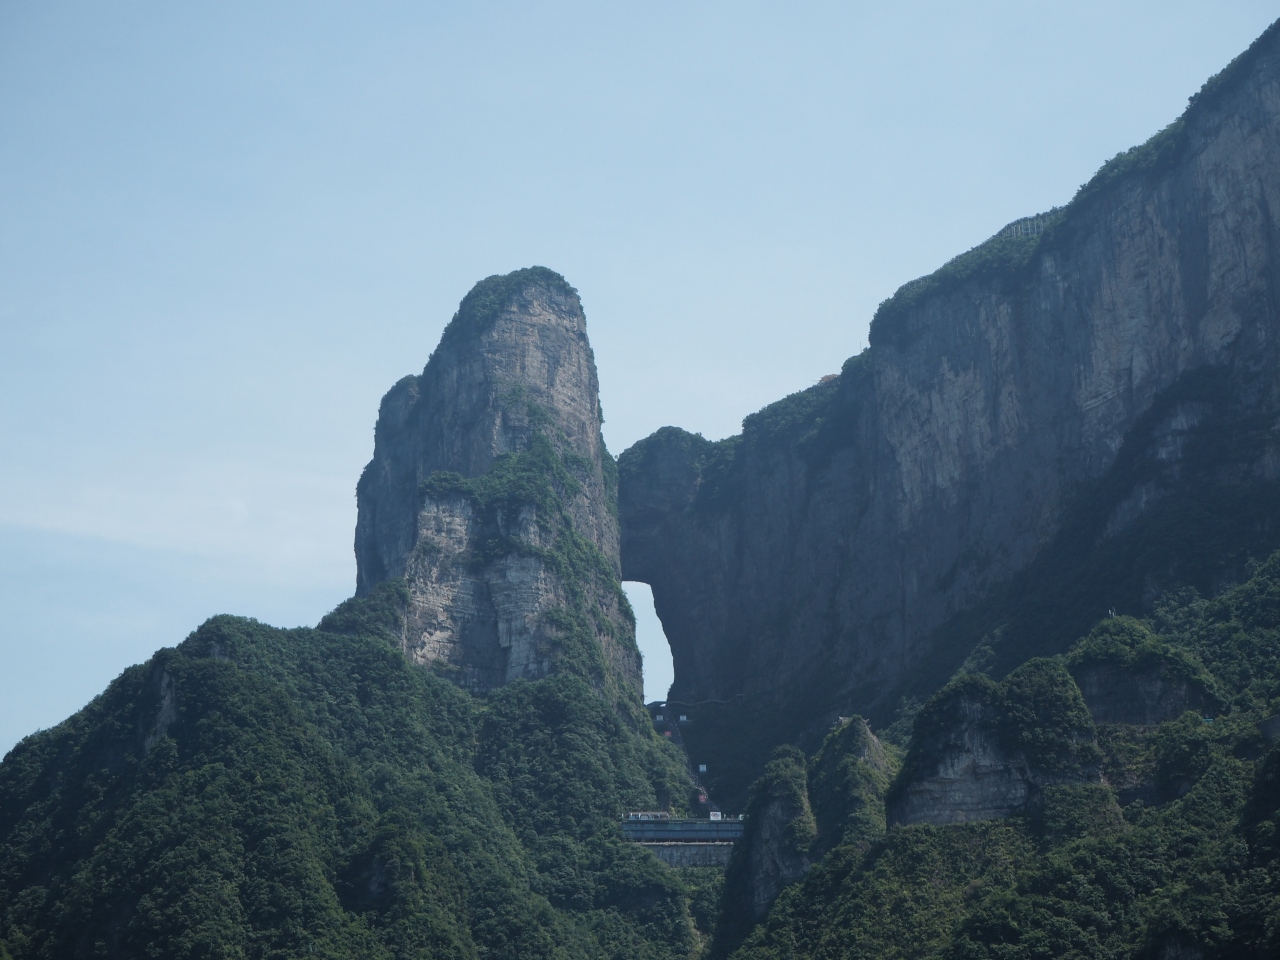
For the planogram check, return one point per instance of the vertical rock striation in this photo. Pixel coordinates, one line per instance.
(491, 494)
(1015, 412)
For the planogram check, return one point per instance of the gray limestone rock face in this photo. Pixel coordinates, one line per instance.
(1128, 675)
(982, 751)
(776, 863)
(1141, 696)
(491, 494)
(805, 568)
(974, 779)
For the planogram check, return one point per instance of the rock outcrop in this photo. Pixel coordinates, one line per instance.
(491, 494)
(1143, 696)
(973, 779)
(781, 829)
(774, 851)
(848, 779)
(1127, 675)
(1015, 413)
(984, 751)
(796, 814)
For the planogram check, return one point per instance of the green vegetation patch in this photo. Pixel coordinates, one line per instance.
(1174, 853)
(277, 793)
(903, 898)
(849, 777)
(1129, 643)
(835, 802)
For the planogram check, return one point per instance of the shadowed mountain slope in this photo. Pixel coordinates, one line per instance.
(1053, 425)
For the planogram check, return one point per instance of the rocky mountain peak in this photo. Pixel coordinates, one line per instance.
(491, 494)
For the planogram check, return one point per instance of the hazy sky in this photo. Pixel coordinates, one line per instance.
(226, 229)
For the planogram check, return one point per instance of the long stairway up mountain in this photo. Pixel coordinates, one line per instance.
(492, 495)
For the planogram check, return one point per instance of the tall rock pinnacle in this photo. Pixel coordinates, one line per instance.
(491, 494)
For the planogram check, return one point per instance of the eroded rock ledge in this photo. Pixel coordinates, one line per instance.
(983, 750)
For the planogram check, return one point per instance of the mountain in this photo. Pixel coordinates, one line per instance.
(982, 635)
(439, 767)
(1072, 418)
(492, 495)
(1029, 820)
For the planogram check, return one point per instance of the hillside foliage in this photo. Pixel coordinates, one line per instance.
(1190, 867)
(258, 792)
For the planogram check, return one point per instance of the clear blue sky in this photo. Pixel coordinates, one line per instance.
(226, 229)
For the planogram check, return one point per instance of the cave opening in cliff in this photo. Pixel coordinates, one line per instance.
(658, 669)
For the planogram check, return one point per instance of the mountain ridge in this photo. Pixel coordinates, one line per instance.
(1067, 681)
(848, 539)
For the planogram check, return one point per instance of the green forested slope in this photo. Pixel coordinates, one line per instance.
(258, 792)
(1189, 866)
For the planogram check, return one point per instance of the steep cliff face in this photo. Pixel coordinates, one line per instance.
(1015, 412)
(782, 829)
(1143, 696)
(973, 778)
(491, 494)
(985, 751)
